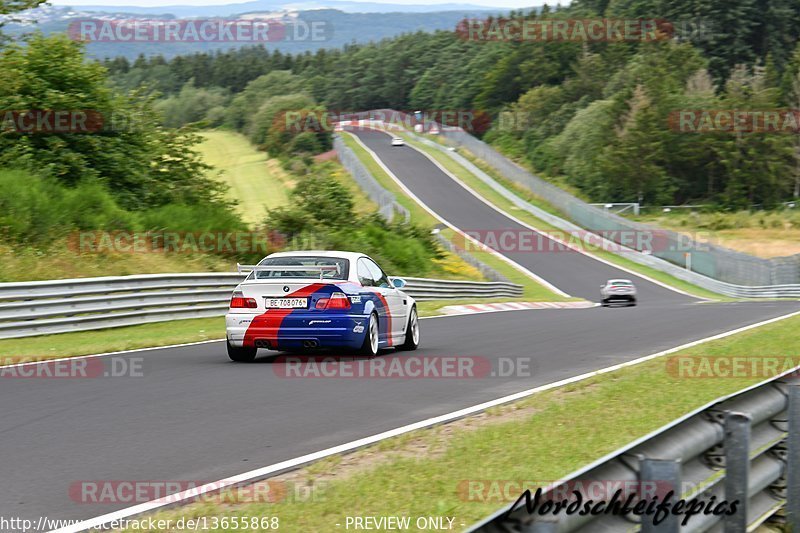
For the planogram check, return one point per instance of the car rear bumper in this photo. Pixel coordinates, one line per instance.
(296, 330)
(620, 298)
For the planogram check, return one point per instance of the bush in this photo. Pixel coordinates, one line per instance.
(194, 218)
(35, 209)
(321, 216)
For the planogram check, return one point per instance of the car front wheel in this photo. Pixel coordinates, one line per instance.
(370, 346)
(411, 341)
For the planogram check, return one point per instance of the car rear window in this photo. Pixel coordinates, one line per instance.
(342, 267)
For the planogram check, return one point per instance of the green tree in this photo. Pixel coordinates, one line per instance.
(140, 161)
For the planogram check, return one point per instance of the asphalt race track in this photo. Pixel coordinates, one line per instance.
(195, 416)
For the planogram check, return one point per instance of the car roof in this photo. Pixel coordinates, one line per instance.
(620, 281)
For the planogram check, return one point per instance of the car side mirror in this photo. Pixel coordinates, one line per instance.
(398, 283)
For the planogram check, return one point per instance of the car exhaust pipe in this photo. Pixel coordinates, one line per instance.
(260, 343)
(310, 344)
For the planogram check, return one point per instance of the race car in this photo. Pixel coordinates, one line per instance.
(619, 290)
(398, 141)
(312, 299)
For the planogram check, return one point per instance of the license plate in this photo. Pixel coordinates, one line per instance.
(286, 303)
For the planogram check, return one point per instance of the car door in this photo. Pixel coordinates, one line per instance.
(396, 316)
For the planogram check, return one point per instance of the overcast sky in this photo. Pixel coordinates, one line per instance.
(491, 3)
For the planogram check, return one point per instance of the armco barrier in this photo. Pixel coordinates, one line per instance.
(387, 203)
(743, 447)
(46, 307)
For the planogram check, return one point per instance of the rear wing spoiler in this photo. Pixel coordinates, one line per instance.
(287, 268)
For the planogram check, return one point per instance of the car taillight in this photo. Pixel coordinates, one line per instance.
(337, 300)
(239, 301)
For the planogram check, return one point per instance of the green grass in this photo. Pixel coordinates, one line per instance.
(255, 181)
(111, 340)
(764, 234)
(539, 439)
(503, 203)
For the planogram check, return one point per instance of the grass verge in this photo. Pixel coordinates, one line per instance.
(541, 438)
(255, 181)
(111, 340)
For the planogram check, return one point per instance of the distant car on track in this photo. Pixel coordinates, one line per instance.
(397, 141)
(315, 299)
(618, 290)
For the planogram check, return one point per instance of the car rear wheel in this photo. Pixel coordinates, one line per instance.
(241, 354)
(411, 341)
(370, 345)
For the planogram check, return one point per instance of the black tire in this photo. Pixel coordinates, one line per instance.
(411, 341)
(241, 355)
(604, 303)
(369, 348)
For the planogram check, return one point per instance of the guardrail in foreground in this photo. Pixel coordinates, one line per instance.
(58, 306)
(744, 447)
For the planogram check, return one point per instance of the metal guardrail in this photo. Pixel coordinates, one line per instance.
(387, 202)
(59, 306)
(744, 447)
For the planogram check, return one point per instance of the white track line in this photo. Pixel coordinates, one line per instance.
(435, 215)
(545, 234)
(261, 473)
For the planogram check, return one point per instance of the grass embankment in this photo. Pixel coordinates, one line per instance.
(541, 438)
(256, 182)
(525, 216)
(762, 233)
(111, 340)
(61, 261)
(533, 291)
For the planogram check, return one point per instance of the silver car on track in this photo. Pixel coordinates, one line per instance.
(618, 290)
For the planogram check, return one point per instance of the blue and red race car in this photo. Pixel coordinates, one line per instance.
(305, 300)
